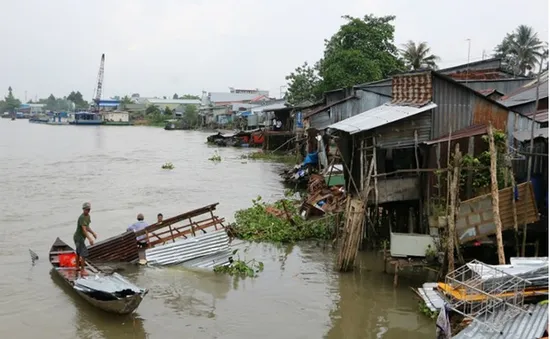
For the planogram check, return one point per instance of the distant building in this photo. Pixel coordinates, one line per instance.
(221, 107)
(116, 116)
(177, 104)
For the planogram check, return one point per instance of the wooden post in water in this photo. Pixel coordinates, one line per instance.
(495, 197)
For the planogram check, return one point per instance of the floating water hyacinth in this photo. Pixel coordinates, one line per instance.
(168, 165)
(215, 157)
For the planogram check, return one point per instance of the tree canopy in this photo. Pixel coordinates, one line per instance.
(76, 98)
(362, 50)
(520, 50)
(417, 56)
(10, 103)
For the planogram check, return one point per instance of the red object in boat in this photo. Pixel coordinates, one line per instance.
(67, 260)
(257, 139)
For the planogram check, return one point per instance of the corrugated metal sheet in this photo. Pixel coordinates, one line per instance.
(542, 116)
(454, 107)
(527, 325)
(111, 283)
(320, 121)
(363, 101)
(187, 249)
(401, 133)
(210, 261)
(526, 134)
(463, 133)
(379, 116)
(526, 94)
(120, 248)
(493, 63)
(382, 87)
(412, 89)
(505, 86)
(486, 112)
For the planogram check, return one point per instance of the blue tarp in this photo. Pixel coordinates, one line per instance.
(244, 114)
(311, 158)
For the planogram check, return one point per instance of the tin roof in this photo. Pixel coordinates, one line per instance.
(530, 324)
(379, 116)
(489, 91)
(542, 116)
(463, 133)
(526, 94)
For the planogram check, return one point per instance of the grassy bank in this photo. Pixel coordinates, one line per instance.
(270, 156)
(270, 223)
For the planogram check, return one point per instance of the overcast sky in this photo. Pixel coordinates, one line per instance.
(159, 47)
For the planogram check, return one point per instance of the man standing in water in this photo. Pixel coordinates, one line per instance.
(159, 218)
(83, 231)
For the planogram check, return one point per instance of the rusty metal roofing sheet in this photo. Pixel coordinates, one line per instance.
(526, 135)
(530, 324)
(412, 89)
(120, 248)
(463, 133)
(542, 116)
(187, 249)
(379, 116)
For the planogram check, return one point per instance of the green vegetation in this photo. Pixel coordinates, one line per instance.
(426, 311)
(168, 165)
(362, 50)
(215, 157)
(480, 165)
(418, 56)
(241, 268)
(258, 224)
(521, 51)
(10, 103)
(270, 156)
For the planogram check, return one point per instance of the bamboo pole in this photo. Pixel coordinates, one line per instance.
(494, 195)
(452, 210)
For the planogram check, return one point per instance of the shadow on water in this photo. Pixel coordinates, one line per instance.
(87, 318)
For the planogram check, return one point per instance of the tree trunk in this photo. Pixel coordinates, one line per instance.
(494, 195)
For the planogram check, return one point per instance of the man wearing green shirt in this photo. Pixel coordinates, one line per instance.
(82, 232)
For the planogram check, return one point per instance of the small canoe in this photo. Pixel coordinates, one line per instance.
(108, 292)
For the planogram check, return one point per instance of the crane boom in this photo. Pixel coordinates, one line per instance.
(99, 86)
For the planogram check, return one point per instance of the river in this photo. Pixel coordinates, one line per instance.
(47, 172)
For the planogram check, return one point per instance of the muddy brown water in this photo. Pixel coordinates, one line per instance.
(47, 172)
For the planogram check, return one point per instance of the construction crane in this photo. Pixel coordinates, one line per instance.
(99, 86)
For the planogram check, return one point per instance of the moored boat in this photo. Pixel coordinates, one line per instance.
(86, 118)
(109, 292)
(38, 120)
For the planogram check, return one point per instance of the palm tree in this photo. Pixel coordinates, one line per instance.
(418, 56)
(521, 50)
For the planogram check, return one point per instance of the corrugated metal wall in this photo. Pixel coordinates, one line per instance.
(503, 86)
(365, 101)
(527, 108)
(454, 106)
(320, 120)
(401, 133)
(485, 111)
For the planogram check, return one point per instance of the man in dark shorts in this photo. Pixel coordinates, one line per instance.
(82, 232)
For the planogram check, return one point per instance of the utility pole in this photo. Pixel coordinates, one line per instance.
(468, 65)
(531, 146)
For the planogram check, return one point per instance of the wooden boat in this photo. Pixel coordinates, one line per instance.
(108, 292)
